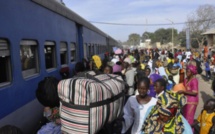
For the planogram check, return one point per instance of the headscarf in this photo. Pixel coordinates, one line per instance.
(97, 60)
(117, 68)
(192, 68)
(168, 103)
(155, 77)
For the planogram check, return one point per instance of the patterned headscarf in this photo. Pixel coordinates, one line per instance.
(168, 104)
(192, 68)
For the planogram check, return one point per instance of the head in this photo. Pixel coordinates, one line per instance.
(108, 70)
(139, 75)
(143, 86)
(147, 71)
(176, 60)
(158, 63)
(95, 62)
(79, 67)
(127, 62)
(191, 70)
(8, 129)
(160, 85)
(166, 114)
(209, 106)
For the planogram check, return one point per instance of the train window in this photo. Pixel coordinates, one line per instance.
(63, 53)
(50, 55)
(89, 51)
(92, 51)
(73, 52)
(29, 57)
(5, 68)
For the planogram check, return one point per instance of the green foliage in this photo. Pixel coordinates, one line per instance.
(161, 35)
(133, 39)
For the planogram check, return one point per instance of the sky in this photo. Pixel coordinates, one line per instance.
(135, 12)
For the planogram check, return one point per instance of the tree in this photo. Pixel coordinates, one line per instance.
(162, 35)
(181, 38)
(199, 21)
(134, 39)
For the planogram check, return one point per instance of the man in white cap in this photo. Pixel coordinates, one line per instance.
(129, 73)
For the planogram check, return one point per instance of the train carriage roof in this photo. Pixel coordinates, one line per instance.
(66, 12)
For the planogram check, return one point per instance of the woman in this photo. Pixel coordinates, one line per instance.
(191, 92)
(166, 116)
(153, 78)
(138, 107)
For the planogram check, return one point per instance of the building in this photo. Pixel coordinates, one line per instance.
(210, 37)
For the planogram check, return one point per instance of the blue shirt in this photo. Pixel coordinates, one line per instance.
(207, 67)
(177, 65)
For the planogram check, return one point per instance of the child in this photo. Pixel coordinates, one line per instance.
(138, 107)
(207, 118)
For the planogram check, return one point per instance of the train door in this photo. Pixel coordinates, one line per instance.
(80, 42)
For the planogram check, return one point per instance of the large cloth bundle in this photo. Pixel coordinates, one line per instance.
(88, 103)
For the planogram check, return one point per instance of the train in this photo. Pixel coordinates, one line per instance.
(37, 39)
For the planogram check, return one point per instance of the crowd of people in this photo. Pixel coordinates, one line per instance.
(162, 94)
(163, 90)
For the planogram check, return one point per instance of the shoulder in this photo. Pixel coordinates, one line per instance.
(153, 100)
(195, 80)
(132, 98)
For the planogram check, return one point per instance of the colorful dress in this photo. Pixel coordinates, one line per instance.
(205, 120)
(177, 125)
(192, 101)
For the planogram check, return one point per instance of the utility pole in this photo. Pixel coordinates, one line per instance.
(172, 34)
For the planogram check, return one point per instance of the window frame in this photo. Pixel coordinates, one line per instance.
(64, 49)
(33, 71)
(75, 52)
(51, 43)
(7, 53)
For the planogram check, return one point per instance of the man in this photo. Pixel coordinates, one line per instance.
(129, 73)
(188, 53)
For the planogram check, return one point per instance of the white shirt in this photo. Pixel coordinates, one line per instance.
(135, 113)
(188, 55)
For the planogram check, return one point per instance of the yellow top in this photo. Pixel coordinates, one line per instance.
(170, 60)
(205, 120)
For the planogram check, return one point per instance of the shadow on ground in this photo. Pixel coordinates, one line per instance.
(204, 77)
(206, 96)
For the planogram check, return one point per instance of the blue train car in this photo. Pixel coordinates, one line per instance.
(37, 39)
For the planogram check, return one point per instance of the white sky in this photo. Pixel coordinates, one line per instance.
(134, 12)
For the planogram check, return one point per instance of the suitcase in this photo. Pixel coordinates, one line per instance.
(88, 103)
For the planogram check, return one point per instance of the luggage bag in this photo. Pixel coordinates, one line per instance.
(88, 103)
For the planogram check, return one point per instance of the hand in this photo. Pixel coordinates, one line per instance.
(180, 92)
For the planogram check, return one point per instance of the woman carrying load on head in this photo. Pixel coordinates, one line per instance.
(191, 92)
(166, 116)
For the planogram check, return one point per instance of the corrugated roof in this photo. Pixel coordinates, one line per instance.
(211, 31)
